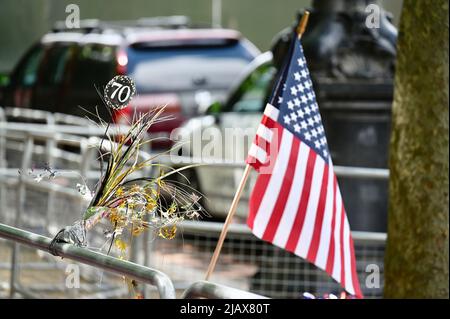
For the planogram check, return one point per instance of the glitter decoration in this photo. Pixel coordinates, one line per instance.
(119, 92)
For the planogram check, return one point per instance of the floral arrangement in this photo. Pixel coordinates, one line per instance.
(132, 205)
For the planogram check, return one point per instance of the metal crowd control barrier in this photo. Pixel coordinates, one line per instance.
(341, 171)
(209, 290)
(196, 240)
(42, 140)
(142, 274)
(250, 264)
(240, 229)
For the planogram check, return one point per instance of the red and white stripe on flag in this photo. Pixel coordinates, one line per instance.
(296, 203)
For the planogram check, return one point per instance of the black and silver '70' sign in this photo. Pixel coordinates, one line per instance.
(119, 92)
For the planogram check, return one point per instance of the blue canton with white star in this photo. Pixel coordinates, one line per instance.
(296, 100)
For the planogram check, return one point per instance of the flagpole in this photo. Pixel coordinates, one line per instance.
(237, 196)
(302, 25)
(230, 216)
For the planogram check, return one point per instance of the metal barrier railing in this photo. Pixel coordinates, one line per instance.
(131, 270)
(250, 264)
(209, 290)
(240, 229)
(26, 139)
(43, 116)
(36, 131)
(341, 171)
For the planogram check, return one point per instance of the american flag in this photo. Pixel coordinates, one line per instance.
(296, 203)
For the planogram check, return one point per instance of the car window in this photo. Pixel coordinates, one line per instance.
(250, 95)
(94, 66)
(186, 68)
(53, 64)
(28, 70)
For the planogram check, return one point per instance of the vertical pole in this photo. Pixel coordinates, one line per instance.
(50, 146)
(230, 215)
(302, 25)
(20, 207)
(216, 13)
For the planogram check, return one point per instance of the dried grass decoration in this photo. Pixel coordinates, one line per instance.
(133, 205)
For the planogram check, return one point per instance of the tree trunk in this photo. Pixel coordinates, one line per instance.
(416, 262)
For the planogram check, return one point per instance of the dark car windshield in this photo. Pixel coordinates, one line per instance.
(186, 68)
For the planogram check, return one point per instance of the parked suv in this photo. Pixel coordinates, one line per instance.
(170, 62)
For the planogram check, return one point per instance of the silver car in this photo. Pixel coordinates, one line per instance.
(220, 139)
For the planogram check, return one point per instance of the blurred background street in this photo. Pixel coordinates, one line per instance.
(23, 22)
(214, 64)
